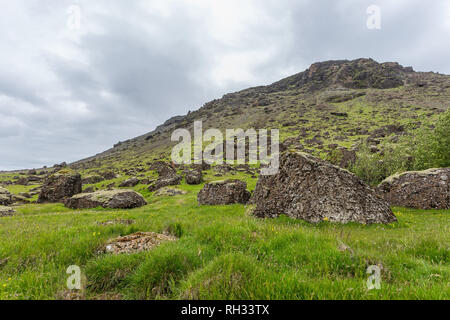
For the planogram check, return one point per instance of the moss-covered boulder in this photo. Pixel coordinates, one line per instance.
(6, 211)
(114, 199)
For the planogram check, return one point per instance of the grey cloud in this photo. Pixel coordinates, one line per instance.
(66, 95)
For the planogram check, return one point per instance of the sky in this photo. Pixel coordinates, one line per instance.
(78, 76)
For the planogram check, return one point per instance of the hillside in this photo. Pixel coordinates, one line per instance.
(332, 104)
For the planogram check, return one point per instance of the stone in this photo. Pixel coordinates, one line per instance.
(137, 242)
(92, 179)
(314, 190)
(59, 186)
(428, 189)
(169, 192)
(113, 199)
(194, 177)
(224, 192)
(129, 183)
(169, 180)
(5, 197)
(6, 211)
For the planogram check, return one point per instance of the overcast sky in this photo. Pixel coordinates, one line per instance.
(69, 90)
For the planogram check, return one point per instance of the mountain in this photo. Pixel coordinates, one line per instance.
(331, 104)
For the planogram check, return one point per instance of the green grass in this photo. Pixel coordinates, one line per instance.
(222, 253)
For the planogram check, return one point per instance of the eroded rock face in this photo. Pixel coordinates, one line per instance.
(311, 189)
(114, 199)
(224, 192)
(59, 186)
(429, 189)
(5, 197)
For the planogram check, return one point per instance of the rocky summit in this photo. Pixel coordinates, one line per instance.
(428, 189)
(311, 189)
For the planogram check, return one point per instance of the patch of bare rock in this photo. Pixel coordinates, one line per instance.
(59, 186)
(224, 192)
(429, 189)
(314, 190)
(137, 242)
(113, 199)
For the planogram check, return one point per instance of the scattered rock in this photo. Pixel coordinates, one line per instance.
(169, 192)
(59, 186)
(129, 183)
(108, 175)
(224, 192)
(114, 199)
(137, 242)
(311, 189)
(429, 189)
(6, 211)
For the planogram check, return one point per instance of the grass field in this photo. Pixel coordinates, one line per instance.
(222, 253)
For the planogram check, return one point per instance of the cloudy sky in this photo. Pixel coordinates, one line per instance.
(78, 76)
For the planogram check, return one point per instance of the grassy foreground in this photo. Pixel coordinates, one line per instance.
(222, 253)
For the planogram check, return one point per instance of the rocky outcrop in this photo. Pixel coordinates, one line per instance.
(114, 199)
(5, 197)
(59, 186)
(429, 189)
(224, 192)
(311, 189)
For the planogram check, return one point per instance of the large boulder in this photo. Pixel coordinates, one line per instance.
(311, 189)
(114, 199)
(429, 189)
(59, 186)
(224, 192)
(5, 197)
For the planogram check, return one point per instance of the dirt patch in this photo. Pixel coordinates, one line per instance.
(136, 242)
